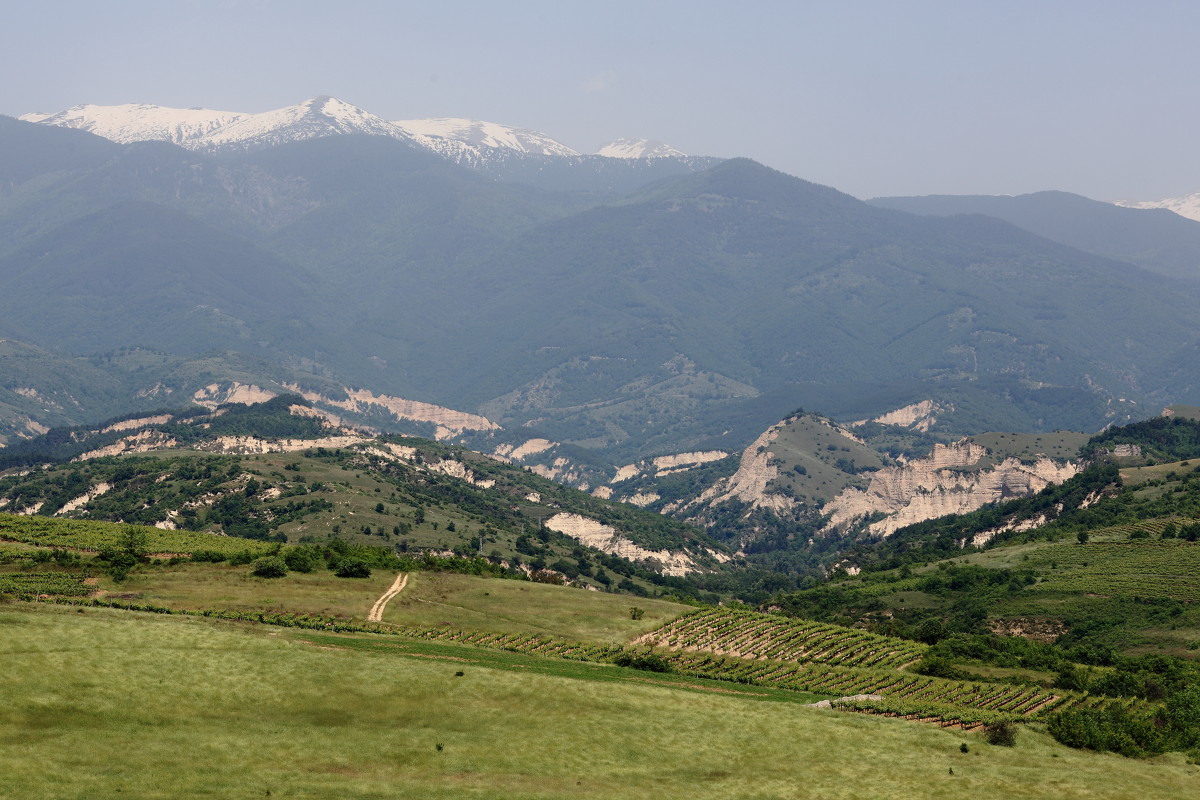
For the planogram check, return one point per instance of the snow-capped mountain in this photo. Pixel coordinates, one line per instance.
(139, 122)
(639, 148)
(1186, 206)
(321, 116)
(479, 134)
(471, 142)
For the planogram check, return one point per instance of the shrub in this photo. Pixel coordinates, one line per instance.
(207, 556)
(270, 567)
(302, 559)
(352, 568)
(1001, 733)
(651, 662)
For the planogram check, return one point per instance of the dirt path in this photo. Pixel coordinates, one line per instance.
(376, 612)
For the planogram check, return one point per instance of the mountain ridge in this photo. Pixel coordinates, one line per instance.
(458, 139)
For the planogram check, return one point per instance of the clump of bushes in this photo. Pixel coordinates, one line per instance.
(650, 662)
(270, 567)
(352, 568)
(1003, 734)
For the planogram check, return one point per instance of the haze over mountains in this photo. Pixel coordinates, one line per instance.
(579, 314)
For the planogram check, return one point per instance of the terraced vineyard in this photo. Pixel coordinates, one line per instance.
(946, 702)
(750, 635)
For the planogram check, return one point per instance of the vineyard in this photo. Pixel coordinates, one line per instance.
(1137, 569)
(750, 635)
(968, 704)
(29, 585)
(88, 535)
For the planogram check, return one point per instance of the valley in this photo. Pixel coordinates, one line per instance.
(342, 455)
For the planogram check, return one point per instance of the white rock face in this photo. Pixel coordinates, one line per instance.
(752, 479)
(940, 484)
(1186, 206)
(130, 424)
(528, 448)
(639, 148)
(215, 394)
(606, 539)
(140, 442)
(687, 459)
(448, 421)
(457, 469)
(84, 499)
(919, 416)
(248, 445)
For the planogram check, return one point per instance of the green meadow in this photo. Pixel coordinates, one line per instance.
(102, 703)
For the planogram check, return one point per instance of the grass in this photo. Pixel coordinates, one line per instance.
(224, 587)
(430, 599)
(471, 603)
(104, 704)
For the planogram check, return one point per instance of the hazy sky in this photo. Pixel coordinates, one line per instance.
(1099, 97)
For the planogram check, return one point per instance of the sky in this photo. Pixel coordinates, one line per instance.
(875, 98)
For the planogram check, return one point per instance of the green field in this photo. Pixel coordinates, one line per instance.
(106, 704)
(430, 599)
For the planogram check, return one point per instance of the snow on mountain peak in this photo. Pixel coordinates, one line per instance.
(639, 148)
(477, 133)
(466, 141)
(139, 122)
(1186, 206)
(321, 116)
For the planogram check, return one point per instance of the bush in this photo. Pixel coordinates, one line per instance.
(1003, 734)
(207, 556)
(303, 559)
(270, 567)
(651, 662)
(352, 568)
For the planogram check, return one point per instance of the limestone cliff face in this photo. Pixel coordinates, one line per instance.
(952, 479)
(608, 540)
(945, 482)
(751, 483)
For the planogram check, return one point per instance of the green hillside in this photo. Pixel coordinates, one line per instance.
(285, 712)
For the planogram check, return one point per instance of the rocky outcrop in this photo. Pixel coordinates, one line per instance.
(607, 539)
(448, 422)
(140, 442)
(751, 483)
(946, 482)
(140, 422)
(920, 416)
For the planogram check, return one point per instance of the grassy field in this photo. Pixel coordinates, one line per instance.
(470, 603)
(104, 704)
(430, 599)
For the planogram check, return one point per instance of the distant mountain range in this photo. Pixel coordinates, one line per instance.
(617, 308)
(1151, 237)
(1186, 206)
(206, 130)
